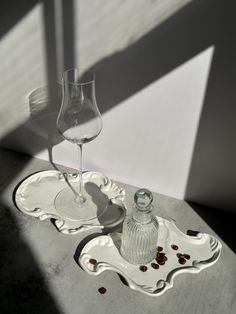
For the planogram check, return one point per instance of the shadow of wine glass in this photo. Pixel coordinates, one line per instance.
(98, 197)
(110, 214)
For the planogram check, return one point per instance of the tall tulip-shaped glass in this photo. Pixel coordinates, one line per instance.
(79, 121)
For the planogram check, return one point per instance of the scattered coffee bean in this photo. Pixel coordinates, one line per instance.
(154, 265)
(174, 247)
(102, 290)
(93, 261)
(182, 260)
(161, 260)
(187, 256)
(143, 268)
(160, 255)
(159, 248)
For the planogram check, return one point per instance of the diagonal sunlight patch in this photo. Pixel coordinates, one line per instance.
(110, 28)
(152, 134)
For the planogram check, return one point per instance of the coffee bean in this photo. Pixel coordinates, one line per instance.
(161, 256)
(187, 256)
(182, 260)
(155, 266)
(93, 261)
(159, 248)
(143, 268)
(174, 247)
(102, 290)
(164, 258)
(161, 262)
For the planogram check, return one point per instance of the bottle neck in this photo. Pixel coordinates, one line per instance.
(143, 215)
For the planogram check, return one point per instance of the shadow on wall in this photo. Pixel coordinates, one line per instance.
(194, 28)
(212, 175)
(12, 11)
(44, 102)
(201, 24)
(23, 287)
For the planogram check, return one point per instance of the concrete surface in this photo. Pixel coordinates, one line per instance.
(38, 272)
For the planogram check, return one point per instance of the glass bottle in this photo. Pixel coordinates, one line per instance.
(140, 231)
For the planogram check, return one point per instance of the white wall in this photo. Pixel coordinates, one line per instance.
(160, 80)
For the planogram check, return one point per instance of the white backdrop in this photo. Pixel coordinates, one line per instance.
(150, 132)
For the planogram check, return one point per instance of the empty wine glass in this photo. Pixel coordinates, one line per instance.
(79, 121)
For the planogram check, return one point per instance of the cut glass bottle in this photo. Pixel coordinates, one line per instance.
(140, 231)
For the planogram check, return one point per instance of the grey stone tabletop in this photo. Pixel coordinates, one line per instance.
(39, 272)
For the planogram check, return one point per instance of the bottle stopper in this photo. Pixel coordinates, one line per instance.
(143, 198)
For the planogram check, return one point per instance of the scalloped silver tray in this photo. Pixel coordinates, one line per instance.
(36, 195)
(203, 249)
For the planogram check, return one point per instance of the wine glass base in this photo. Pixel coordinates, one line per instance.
(94, 206)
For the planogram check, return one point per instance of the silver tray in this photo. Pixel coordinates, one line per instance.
(36, 195)
(204, 251)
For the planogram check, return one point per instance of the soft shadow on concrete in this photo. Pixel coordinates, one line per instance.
(23, 288)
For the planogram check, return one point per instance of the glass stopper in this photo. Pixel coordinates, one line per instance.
(143, 198)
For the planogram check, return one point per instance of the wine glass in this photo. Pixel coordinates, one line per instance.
(79, 122)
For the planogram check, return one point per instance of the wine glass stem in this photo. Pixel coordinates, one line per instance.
(80, 199)
(80, 170)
